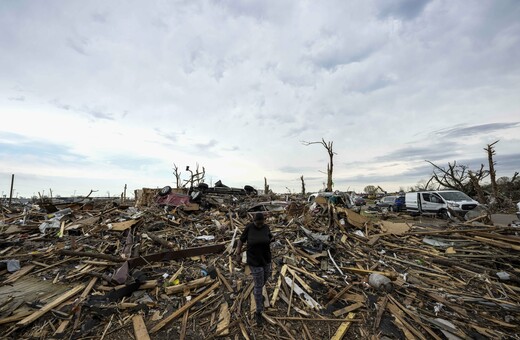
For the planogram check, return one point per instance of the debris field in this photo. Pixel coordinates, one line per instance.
(142, 270)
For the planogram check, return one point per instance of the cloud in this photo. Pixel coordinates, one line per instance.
(17, 99)
(296, 169)
(465, 131)
(441, 150)
(208, 146)
(403, 9)
(246, 81)
(30, 150)
(79, 45)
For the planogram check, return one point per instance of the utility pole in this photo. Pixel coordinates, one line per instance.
(11, 192)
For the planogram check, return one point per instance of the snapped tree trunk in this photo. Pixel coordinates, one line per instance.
(492, 173)
(330, 166)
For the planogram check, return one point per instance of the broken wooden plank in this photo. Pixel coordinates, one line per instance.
(343, 328)
(224, 281)
(91, 254)
(399, 315)
(181, 310)
(15, 276)
(34, 316)
(188, 285)
(176, 254)
(140, 330)
(224, 319)
(121, 226)
(278, 284)
(348, 309)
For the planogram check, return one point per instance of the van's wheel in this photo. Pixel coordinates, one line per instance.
(165, 191)
(391, 208)
(443, 213)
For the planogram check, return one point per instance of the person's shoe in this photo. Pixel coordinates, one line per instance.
(258, 318)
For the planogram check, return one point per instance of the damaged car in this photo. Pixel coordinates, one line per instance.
(268, 208)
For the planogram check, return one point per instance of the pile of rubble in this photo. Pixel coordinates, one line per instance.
(147, 270)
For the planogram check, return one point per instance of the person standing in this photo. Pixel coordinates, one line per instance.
(258, 237)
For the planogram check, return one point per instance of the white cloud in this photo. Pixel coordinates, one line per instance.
(129, 88)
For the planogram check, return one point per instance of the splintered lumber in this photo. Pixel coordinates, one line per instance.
(158, 239)
(15, 317)
(343, 328)
(140, 330)
(184, 325)
(496, 243)
(391, 275)
(224, 318)
(398, 314)
(181, 310)
(306, 298)
(224, 281)
(413, 316)
(61, 328)
(348, 309)
(122, 226)
(278, 284)
(34, 316)
(19, 274)
(380, 310)
(339, 295)
(91, 254)
(243, 330)
(189, 285)
(176, 254)
(87, 290)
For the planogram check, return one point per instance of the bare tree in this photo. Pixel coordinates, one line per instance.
(330, 165)
(456, 176)
(424, 185)
(492, 173)
(195, 178)
(370, 189)
(200, 174)
(476, 186)
(303, 185)
(177, 175)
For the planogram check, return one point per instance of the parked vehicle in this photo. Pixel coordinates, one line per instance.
(359, 201)
(393, 203)
(336, 197)
(268, 208)
(439, 202)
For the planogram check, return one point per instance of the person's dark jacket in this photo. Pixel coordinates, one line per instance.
(258, 244)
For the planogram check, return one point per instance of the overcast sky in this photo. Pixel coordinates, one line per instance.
(99, 94)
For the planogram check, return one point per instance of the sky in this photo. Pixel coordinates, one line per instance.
(98, 94)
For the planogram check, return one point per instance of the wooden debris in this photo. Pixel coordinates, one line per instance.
(34, 316)
(140, 330)
(449, 279)
(343, 328)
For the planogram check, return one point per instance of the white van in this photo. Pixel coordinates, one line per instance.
(438, 202)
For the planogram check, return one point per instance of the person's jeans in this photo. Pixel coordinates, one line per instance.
(260, 277)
